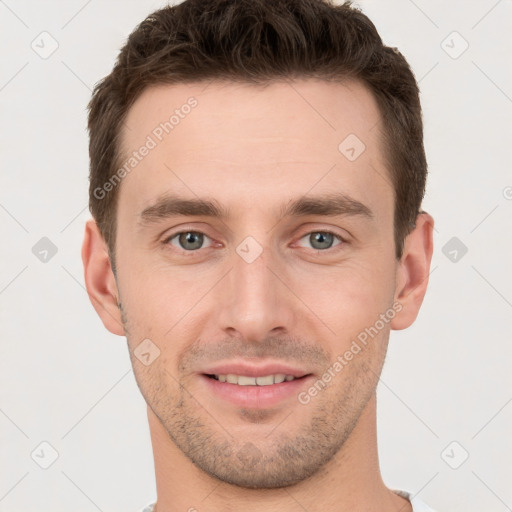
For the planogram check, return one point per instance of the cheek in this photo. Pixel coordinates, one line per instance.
(349, 296)
(146, 286)
(163, 305)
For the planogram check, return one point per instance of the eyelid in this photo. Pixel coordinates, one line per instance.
(183, 228)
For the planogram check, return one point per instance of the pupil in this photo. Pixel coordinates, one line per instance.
(324, 239)
(188, 238)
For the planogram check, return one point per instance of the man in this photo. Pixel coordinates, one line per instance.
(257, 172)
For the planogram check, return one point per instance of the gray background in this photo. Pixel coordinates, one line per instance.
(445, 392)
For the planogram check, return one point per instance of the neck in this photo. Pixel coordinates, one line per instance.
(350, 481)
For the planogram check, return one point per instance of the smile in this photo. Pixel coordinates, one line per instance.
(244, 380)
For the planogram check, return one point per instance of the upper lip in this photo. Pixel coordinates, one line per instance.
(254, 369)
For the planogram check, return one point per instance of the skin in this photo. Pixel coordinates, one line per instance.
(253, 149)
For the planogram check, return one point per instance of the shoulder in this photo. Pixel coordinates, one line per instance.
(416, 503)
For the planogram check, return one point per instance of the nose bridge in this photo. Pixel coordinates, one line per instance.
(254, 301)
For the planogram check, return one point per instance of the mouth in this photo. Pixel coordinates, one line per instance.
(255, 387)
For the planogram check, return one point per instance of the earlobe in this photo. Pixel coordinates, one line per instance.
(99, 279)
(413, 271)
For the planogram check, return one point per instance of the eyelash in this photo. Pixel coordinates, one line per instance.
(342, 241)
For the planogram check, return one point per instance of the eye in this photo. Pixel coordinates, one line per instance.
(187, 240)
(322, 240)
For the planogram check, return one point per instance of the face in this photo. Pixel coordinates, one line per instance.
(255, 251)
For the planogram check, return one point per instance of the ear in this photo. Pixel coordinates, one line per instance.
(99, 279)
(413, 271)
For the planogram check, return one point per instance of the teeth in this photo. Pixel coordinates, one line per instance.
(263, 381)
(243, 380)
(246, 381)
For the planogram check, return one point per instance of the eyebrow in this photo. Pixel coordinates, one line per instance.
(330, 205)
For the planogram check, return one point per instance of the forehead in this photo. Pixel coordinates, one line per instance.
(237, 142)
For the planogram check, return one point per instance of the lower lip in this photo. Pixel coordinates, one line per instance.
(257, 397)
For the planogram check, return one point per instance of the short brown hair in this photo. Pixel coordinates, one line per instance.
(256, 42)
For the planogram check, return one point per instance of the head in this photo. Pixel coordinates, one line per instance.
(257, 172)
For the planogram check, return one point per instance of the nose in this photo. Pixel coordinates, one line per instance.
(256, 301)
